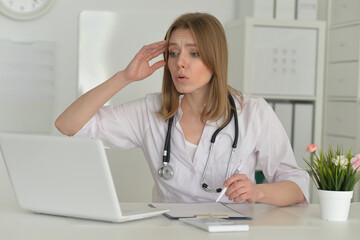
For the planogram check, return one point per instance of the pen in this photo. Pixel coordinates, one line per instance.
(224, 189)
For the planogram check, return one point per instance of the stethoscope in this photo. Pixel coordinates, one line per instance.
(166, 170)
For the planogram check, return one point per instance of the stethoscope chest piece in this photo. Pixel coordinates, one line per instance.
(166, 171)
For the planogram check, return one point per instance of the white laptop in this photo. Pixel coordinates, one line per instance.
(65, 176)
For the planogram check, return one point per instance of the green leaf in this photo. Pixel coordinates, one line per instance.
(328, 175)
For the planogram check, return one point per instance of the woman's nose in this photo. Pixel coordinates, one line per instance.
(181, 61)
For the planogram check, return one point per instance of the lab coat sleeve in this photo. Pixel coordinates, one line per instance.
(274, 152)
(119, 126)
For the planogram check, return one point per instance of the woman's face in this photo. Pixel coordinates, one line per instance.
(188, 71)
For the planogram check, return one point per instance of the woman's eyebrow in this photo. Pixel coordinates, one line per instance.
(186, 45)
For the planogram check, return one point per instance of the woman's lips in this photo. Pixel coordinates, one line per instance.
(181, 78)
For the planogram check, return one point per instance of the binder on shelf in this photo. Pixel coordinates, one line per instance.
(306, 10)
(285, 9)
(256, 8)
(303, 131)
(284, 113)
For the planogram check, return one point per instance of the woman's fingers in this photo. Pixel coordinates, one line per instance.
(234, 178)
(151, 51)
(157, 65)
(240, 188)
(139, 67)
(156, 53)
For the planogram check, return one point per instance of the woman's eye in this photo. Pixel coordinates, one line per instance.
(195, 54)
(173, 54)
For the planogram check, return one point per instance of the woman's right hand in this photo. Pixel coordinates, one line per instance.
(80, 111)
(139, 68)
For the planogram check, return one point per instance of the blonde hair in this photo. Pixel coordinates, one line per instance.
(211, 42)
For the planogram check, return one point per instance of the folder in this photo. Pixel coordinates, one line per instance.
(307, 10)
(201, 210)
(303, 131)
(284, 112)
(285, 9)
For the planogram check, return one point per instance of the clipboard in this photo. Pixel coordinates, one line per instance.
(236, 211)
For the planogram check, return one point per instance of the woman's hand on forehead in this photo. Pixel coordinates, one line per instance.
(139, 68)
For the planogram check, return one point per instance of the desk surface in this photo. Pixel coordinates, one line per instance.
(288, 223)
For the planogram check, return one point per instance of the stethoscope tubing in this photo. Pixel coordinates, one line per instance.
(166, 153)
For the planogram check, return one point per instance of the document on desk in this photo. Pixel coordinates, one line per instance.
(220, 210)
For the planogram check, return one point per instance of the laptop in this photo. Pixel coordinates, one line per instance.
(64, 176)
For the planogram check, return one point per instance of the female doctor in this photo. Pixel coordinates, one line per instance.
(195, 110)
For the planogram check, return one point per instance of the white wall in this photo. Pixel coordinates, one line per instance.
(61, 26)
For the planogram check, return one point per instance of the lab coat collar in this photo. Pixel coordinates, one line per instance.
(179, 112)
(210, 127)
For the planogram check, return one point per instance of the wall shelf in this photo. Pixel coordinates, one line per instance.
(282, 60)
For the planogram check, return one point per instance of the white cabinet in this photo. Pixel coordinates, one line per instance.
(341, 119)
(344, 43)
(343, 11)
(282, 61)
(342, 95)
(342, 80)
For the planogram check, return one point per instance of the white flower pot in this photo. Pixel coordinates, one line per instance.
(335, 205)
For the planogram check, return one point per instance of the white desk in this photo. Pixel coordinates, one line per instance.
(288, 223)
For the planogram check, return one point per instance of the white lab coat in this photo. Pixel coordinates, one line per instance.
(262, 140)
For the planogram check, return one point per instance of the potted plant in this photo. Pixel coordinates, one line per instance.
(335, 174)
